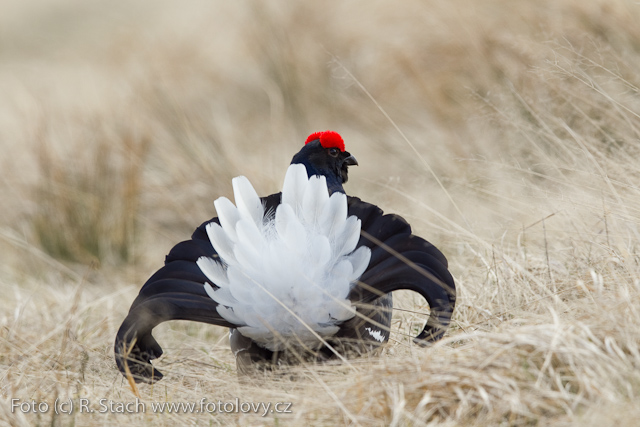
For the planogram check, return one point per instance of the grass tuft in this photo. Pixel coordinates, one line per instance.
(88, 206)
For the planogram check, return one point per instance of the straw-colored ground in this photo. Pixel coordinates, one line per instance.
(506, 132)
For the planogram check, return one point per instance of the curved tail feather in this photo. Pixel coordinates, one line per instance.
(166, 299)
(400, 260)
(175, 292)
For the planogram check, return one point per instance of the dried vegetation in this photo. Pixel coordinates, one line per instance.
(507, 133)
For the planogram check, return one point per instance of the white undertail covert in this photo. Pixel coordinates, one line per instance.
(286, 273)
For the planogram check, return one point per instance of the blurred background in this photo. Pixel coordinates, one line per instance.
(506, 132)
(121, 122)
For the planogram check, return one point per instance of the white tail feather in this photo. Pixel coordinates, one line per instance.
(247, 200)
(288, 274)
(228, 216)
(214, 271)
(223, 243)
(295, 182)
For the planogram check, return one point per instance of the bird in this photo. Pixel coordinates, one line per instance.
(306, 274)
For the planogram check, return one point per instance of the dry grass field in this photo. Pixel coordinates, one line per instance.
(506, 132)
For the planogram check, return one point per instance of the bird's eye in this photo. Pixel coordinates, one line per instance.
(333, 152)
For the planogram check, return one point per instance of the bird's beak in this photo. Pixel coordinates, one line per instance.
(350, 161)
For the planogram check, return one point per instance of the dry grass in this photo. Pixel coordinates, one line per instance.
(507, 133)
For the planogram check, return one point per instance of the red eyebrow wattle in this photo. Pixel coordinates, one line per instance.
(328, 139)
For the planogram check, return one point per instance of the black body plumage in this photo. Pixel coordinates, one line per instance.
(399, 260)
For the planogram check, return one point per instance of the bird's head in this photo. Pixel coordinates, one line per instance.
(324, 154)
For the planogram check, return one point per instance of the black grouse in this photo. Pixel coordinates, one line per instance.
(305, 274)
